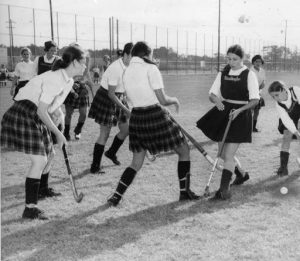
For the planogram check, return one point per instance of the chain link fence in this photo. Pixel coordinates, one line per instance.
(179, 51)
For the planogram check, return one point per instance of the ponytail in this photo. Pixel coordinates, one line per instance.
(71, 53)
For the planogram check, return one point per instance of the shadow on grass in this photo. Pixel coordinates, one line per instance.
(77, 237)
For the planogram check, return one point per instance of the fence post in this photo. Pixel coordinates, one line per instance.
(167, 50)
(57, 31)
(34, 33)
(196, 54)
(117, 34)
(11, 39)
(177, 50)
(75, 27)
(94, 41)
(110, 36)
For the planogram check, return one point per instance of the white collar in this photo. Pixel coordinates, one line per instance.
(66, 76)
(136, 59)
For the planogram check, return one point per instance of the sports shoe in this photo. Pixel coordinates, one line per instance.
(282, 171)
(96, 169)
(221, 195)
(113, 158)
(77, 136)
(67, 136)
(48, 193)
(188, 195)
(114, 200)
(34, 213)
(239, 180)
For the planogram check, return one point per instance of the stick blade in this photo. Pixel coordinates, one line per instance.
(79, 198)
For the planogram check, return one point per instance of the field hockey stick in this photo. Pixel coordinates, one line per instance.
(77, 197)
(206, 190)
(150, 157)
(195, 143)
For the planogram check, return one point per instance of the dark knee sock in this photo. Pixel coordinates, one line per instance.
(97, 154)
(117, 143)
(78, 127)
(225, 179)
(44, 181)
(67, 130)
(31, 191)
(284, 158)
(183, 168)
(126, 179)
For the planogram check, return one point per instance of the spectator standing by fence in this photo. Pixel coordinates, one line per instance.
(3, 75)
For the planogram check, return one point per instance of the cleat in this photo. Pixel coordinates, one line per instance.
(77, 136)
(221, 195)
(240, 180)
(188, 195)
(34, 213)
(113, 158)
(48, 193)
(96, 169)
(282, 171)
(114, 200)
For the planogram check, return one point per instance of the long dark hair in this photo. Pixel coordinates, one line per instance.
(141, 49)
(127, 49)
(71, 53)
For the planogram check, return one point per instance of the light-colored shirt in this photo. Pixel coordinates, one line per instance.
(51, 87)
(25, 71)
(113, 76)
(141, 79)
(283, 114)
(252, 83)
(261, 74)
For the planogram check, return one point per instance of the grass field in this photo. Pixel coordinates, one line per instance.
(258, 223)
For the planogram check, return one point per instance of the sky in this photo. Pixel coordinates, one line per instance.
(265, 19)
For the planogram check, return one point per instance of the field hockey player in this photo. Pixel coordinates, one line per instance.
(234, 92)
(150, 126)
(26, 125)
(288, 107)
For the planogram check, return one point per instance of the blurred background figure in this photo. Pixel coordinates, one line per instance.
(3, 75)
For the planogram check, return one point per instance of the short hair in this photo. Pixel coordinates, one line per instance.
(127, 48)
(24, 49)
(237, 50)
(48, 45)
(257, 57)
(141, 49)
(276, 86)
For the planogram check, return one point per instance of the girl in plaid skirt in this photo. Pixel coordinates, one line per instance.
(150, 125)
(109, 108)
(78, 98)
(26, 125)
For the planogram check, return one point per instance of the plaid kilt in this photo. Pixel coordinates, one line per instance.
(152, 129)
(83, 96)
(104, 111)
(23, 131)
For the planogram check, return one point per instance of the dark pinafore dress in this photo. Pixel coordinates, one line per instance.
(293, 111)
(234, 90)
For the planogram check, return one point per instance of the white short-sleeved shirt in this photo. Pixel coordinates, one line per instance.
(113, 76)
(253, 87)
(51, 87)
(283, 114)
(25, 71)
(140, 81)
(261, 74)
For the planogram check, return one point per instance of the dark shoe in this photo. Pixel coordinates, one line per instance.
(240, 180)
(294, 137)
(282, 171)
(48, 193)
(221, 195)
(113, 158)
(96, 169)
(114, 200)
(77, 136)
(34, 213)
(188, 195)
(255, 130)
